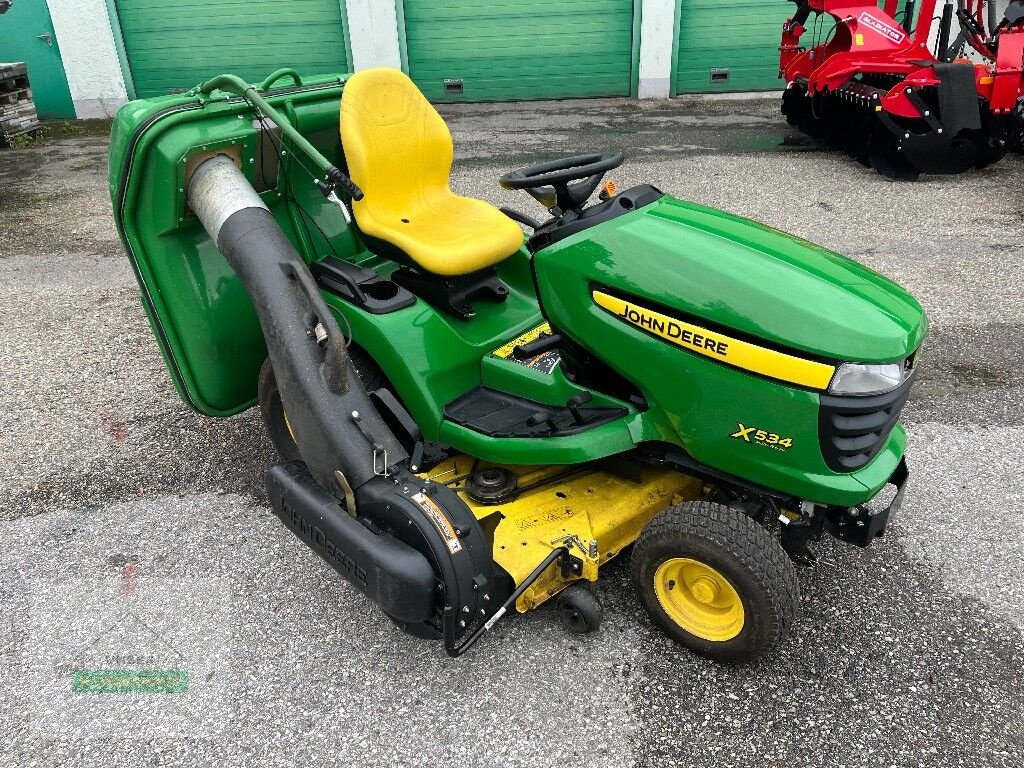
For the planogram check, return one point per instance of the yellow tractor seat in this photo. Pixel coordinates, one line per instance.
(399, 151)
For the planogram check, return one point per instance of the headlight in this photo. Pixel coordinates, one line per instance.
(867, 379)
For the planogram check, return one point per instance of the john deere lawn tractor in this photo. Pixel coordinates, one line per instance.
(474, 420)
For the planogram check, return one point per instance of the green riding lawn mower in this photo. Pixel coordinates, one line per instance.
(473, 420)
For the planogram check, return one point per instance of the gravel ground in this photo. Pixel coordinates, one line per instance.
(129, 522)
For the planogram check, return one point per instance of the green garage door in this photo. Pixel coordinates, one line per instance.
(497, 50)
(729, 46)
(177, 44)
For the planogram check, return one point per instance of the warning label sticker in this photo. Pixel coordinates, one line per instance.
(882, 27)
(545, 362)
(440, 521)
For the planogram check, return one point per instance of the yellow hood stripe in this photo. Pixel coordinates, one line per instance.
(718, 346)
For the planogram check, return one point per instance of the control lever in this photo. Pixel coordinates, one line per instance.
(543, 417)
(335, 179)
(574, 403)
(538, 346)
(522, 218)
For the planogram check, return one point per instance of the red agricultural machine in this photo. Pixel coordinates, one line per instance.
(879, 87)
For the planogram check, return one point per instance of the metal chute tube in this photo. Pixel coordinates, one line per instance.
(320, 390)
(218, 189)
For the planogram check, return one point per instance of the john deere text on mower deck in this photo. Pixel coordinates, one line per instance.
(472, 420)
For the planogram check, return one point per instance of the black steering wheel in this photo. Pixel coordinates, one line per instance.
(550, 183)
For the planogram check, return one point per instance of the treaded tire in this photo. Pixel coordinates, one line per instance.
(743, 552)
(1015, 141)
(578, 609)
(272, 409)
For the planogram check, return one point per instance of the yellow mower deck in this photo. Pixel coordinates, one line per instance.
(560, 506)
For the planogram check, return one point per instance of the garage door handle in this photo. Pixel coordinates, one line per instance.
(47, 38)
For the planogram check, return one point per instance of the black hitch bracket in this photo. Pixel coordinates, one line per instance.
(860, 525)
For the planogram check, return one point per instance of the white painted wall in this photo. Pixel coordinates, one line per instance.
(657, 36)
(373, 33)
(90, 59)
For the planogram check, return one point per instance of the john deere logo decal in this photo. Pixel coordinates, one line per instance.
(718, 346)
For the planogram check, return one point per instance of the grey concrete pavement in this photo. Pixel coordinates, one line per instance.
(117, 496)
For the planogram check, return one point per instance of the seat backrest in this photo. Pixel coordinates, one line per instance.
(396, 145)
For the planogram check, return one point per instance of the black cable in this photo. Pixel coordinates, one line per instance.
(288, 193)
(552, 556)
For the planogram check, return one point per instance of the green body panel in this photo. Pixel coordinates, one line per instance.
(760, 281)
(200, 312)
(431, 359)
(208, 329)
(742, 275)
(511, 50)
(174, 46)
(20, 31)
(739, 275)
(742, 38)
(733, 274)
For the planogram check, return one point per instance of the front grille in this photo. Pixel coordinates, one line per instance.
(853, 428)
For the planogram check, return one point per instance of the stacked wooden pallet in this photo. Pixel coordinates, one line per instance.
(17, 110)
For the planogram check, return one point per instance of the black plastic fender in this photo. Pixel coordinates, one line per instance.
(432, 519)
(388, 571)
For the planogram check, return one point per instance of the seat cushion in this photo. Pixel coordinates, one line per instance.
(399, 151)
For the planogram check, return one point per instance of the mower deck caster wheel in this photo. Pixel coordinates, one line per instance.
(578, 609)
(715, 581)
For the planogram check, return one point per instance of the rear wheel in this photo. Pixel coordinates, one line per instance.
(272, 409)
(274, 417)
(715, 581)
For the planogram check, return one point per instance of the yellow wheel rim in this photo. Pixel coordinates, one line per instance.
(289, 425)
(699, 599)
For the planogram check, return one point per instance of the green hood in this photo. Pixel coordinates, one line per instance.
(745, 276)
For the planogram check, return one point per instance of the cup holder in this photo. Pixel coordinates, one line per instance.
(382, 290)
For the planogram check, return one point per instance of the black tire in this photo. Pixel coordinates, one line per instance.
(272, 410)
(1015, 137)
(578, 609)
(702, 534)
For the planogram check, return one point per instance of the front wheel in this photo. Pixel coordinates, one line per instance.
(715, 581)
(578, 609)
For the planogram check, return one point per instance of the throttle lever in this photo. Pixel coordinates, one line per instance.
(336, 178)
(574, 403)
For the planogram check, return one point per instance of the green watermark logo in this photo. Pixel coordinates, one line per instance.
(129, 680)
